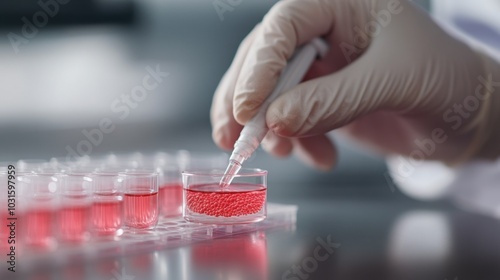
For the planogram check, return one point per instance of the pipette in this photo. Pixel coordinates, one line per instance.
(256, 128)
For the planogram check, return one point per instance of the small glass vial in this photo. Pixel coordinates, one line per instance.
(140, 199)
(243, 201)
(170, 185)
(74, 209)
(170, 191)
(38, 205)
(107, 204)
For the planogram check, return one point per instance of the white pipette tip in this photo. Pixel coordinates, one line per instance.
(232, 169)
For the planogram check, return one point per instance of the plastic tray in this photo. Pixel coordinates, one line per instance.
(169, 233)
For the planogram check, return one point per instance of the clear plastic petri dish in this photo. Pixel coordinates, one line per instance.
(243, 201)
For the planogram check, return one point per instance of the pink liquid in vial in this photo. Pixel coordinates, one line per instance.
(235, 200)
(74, 223)
(170, 199)
(141, 210)
(107, 216)
(38, 227)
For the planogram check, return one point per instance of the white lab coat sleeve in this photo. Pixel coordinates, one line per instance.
(474, 185)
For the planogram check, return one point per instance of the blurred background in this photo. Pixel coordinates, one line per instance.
(66, 67)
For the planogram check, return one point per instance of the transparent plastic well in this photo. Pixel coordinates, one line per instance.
(140, 188)
(107, 204)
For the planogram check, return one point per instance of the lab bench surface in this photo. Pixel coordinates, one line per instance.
(341, 233)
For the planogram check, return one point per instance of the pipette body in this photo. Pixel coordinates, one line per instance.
(256, 128)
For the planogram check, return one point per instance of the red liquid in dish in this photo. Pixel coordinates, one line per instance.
(38, 227)
(141, 210)
(74, 223)
(170, 197)
(107, 215)
(235, 200)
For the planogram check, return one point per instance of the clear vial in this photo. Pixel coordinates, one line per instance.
(75, 204)
(140, 199)
(107, 204)
(38, 207)
(169, 184)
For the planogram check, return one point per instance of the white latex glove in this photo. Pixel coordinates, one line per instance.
(393, 79)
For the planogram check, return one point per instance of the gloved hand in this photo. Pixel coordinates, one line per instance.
(393, 79)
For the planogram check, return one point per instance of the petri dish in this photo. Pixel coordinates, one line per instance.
(243, 201)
